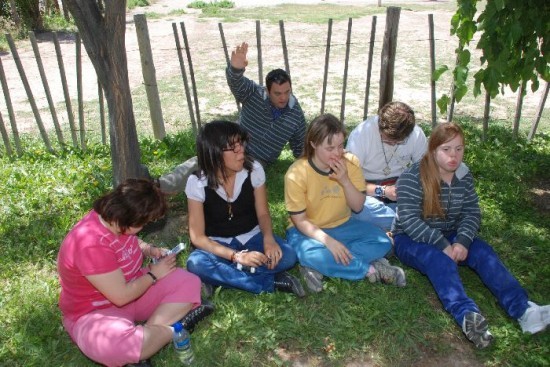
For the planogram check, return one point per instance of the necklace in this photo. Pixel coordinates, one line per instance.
(229, 205)
(387, 169)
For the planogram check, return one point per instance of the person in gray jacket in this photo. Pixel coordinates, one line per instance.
(435, 230)
(271, 115)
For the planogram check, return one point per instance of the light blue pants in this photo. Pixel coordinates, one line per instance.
(365, 241)
(376, 212)
(442, 272)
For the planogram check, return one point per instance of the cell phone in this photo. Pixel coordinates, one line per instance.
(180, 247)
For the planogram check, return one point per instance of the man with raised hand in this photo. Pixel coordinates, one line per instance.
(271, 114)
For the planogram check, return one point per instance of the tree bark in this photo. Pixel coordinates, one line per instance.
(103, 35)
(14, 14)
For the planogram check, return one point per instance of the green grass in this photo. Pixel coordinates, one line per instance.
(43, 195)
(131, 4)
(316, 14)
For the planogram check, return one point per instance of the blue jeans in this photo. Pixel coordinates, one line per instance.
(376, 212)
(218, 271)
(442, 272)
(365, 241)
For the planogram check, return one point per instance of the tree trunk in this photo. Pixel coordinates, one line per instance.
(14, 14)
(103, 36)
(65, 11)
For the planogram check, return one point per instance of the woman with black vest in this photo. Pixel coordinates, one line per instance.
(229, 221)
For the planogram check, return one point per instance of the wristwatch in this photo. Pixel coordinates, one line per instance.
(378, 191)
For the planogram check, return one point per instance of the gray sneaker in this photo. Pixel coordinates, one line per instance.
(313, 279)
(386, 273)
(206, 290)
(476, 329)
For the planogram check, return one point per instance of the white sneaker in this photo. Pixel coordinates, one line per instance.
(536, 318)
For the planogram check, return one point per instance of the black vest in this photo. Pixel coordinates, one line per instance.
(216, 212)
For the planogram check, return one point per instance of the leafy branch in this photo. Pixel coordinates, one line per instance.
(515, 44)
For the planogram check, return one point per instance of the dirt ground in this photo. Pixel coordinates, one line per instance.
(205, 33)
(306, 52)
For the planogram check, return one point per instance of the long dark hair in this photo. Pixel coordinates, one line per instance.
(133, 203)
(212, 139)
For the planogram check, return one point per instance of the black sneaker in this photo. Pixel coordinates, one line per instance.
(143, 363)
(476, 329)
(197, 315)
(285, 282)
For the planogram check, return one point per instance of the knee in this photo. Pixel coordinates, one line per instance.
(196, 262)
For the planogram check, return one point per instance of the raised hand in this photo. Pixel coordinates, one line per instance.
(238, 56)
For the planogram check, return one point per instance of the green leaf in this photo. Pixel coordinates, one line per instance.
(461, 73)
(438, 72)
(464, 57)
(460, 92)
(442, 103)
(499, 4)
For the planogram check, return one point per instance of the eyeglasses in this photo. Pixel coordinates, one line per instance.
(235, 148)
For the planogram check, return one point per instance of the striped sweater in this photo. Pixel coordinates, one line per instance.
(268, 136)
(459, 202)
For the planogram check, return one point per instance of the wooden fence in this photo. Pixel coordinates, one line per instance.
(192, 91)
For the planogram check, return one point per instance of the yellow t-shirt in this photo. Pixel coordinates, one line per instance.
(309, 190)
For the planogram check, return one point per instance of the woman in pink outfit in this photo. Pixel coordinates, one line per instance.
(104, 288)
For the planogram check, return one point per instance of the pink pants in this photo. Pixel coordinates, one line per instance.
(111, 337)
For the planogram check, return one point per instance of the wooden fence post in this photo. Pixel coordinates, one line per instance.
(5, 137)
(345, 81)
(227, 60)
(191, 73)
(32, 102)
(40, 65)
(432, 68)
(369, 67)
(81, 123)
(388, 55)
(283, 43)
(327, 56)
(184, 76)
(11, 113)
(149, 76)
(68, 103)
(486, 111)
(519, 106)
(259, 45)
(538, 115)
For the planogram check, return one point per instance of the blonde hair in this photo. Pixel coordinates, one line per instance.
(429, 170)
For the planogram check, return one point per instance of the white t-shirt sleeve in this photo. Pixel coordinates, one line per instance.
(355, 145)
(194, 189)
(421, 144)
(257, 176)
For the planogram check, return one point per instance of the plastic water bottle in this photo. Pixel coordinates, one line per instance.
(182, 345)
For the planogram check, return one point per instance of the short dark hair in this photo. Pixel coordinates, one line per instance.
(396, 120)
(278, 76)
(212, 139)
(133, 203)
